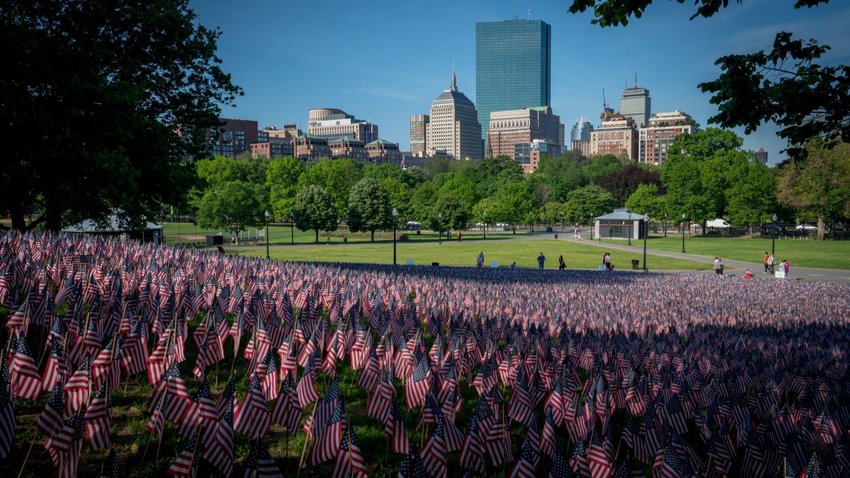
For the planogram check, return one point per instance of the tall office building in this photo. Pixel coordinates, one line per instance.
(512, 67)
(637, 105)
(581, 130)
(454, 129)
(418, 134)
(761, 156)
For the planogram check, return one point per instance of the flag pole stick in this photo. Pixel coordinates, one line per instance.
(159, 406)
(306, 440)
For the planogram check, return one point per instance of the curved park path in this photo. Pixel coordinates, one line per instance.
(731, 266)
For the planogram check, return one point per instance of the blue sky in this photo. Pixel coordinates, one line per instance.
(385, 60)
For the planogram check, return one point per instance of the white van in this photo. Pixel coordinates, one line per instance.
(718, 224)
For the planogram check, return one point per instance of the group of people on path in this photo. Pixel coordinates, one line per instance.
(770, 264)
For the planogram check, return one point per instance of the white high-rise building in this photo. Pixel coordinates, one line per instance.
(454, 129)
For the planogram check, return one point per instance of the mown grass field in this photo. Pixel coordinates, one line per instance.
(186, 232)
(801, 252)
(453, 253)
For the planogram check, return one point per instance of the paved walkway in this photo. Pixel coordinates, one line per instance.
(731, 266)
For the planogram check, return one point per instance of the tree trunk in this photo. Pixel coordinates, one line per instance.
(18, 222)
(821, 228)
(373, 235)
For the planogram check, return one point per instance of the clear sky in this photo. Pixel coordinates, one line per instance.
(385, 60)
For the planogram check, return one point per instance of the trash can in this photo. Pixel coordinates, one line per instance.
(435, 264)
(635, 264)
(556, 236)
(215, 240)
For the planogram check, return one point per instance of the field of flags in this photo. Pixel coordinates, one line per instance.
(112, 353)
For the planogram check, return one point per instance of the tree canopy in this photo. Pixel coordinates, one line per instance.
(369, 207)
(106, 105)
(314, 210)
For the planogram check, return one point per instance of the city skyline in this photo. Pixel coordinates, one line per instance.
(292, 61)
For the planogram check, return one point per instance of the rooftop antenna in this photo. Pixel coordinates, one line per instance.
(604, 103)
(635, 80)
(516, 14)
(529, 14)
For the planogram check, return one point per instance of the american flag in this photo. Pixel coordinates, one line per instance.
(218, 443)
(66, 446)
(307, 392)
(434, 452)
(7, 413)
(416, 386)
(669, 464)
(199, 412)
(252, 419)
(524, 468)
(78, 388)
(51, 418)
(98, 419)
(472, 453)
(599, 460)
(56, 370)
(287, 410)
(329, 437)
(578, 459)
(268, 370)
(498, 441)
(26, 381)
(186, 464)
(349, 460)
(111, 468)
(260, 464)
(547, 438)
(412, 466)
(395, 428)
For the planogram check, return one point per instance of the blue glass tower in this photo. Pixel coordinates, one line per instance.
(512, 67)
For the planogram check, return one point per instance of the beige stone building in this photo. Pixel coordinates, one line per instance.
(453, 129)
(616, 136)
(512, 127)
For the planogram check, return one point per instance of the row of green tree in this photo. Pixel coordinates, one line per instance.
(706, 175)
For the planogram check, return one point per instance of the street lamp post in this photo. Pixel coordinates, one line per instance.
(267, 234)
(395, 216)
(291, 230)
(631, 228)
(773, 236)
(645, 234)
(440, 228)
(485, 225)
(683, 232)
(590, 221)
(562, 223)
(531, 222)
(664, 224)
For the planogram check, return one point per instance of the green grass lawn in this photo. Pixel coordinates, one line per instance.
(186, 233)
(801, 253)
(464, 253)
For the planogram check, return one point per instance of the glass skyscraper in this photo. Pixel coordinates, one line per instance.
(512, 67)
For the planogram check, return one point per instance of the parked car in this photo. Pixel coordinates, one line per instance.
(773, 229)
(806, 227)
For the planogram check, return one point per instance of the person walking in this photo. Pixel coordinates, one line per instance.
(717, 265)
(480, 261)
(606, 259)
(764, 259)
(561, 264)
(541, 259)
(787, 267)
(770, 263)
